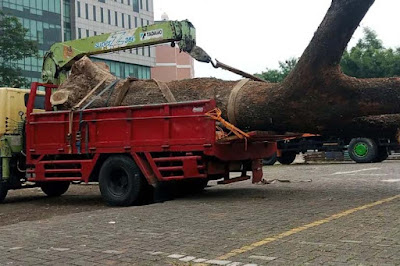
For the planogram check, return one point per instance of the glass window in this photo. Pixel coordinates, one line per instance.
(147, 5)
(141, 4)
(135, 5)
(109, 17)
(123, 20)
(52, 7)
(136, 22)
(78, 7)
(87, 33)
(57, 7)
(101, 15)
(79, 33)
(122, 70)
(39, 100)
(94, 13)
(86, 11)
(129, 22)
(116, 18)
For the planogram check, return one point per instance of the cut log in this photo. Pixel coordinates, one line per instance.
(316, 97)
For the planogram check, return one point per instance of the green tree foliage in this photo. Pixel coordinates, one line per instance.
(278, 75)
(370, 59)
(367, 59)
(13, 47)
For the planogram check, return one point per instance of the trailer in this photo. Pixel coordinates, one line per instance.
(360, 149)
(129, 149)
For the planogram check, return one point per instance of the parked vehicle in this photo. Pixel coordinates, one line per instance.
(126, 149)
(361, 150)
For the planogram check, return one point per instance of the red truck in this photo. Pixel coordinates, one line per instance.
(128, 149)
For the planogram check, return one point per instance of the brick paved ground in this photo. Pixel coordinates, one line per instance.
(223, 218)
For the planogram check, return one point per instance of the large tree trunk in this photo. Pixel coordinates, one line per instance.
(316, 97)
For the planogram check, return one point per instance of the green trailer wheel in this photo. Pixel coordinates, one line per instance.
(360, 149)
(363, 150)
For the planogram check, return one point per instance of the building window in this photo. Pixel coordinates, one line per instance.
(79, 33)
(129, 22)
(87, 11)
(94, 13)
(87, 33)
(135, 5)
(79, 9)
(147, 5)
(116, 18)
(109, 17)
(141, 4)
(123, 20)
(136, 22)
(141, 22)
(101, 15)
(129, 2)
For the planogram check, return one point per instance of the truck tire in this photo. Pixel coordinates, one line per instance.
(3, 185)
(55, 189)
(121, 181)
(382, 155)
(287, 157)
(3, 190)
(270, 161)
(363, 150)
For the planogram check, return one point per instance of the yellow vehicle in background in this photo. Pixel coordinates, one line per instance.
(13, 108)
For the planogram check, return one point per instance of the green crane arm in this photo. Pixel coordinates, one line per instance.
(59, 59)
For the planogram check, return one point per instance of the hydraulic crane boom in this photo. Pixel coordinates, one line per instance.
(59, 59)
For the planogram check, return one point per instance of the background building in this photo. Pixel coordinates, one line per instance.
(43, 19)
(170, 63)
(103, 16)
(51, 21)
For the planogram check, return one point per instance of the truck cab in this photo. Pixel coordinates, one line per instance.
(13, 106)
(13, 103)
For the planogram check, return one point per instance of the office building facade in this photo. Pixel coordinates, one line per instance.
(50, 21)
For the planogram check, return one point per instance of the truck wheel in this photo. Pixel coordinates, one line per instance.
(121, 182)
(3, 185)
(382, 155)
(54, 189)
(270, 161)
(3, 190)
(363, 150)
(287, 157)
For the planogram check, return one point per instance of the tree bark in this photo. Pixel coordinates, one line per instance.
(316, 97)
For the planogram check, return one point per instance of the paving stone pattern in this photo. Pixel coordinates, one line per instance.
(200, 228)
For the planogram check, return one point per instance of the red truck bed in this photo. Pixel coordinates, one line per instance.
(167, 142)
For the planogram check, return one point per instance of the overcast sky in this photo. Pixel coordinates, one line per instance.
(255, 34)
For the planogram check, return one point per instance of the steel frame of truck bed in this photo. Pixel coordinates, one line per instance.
(172, 141)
